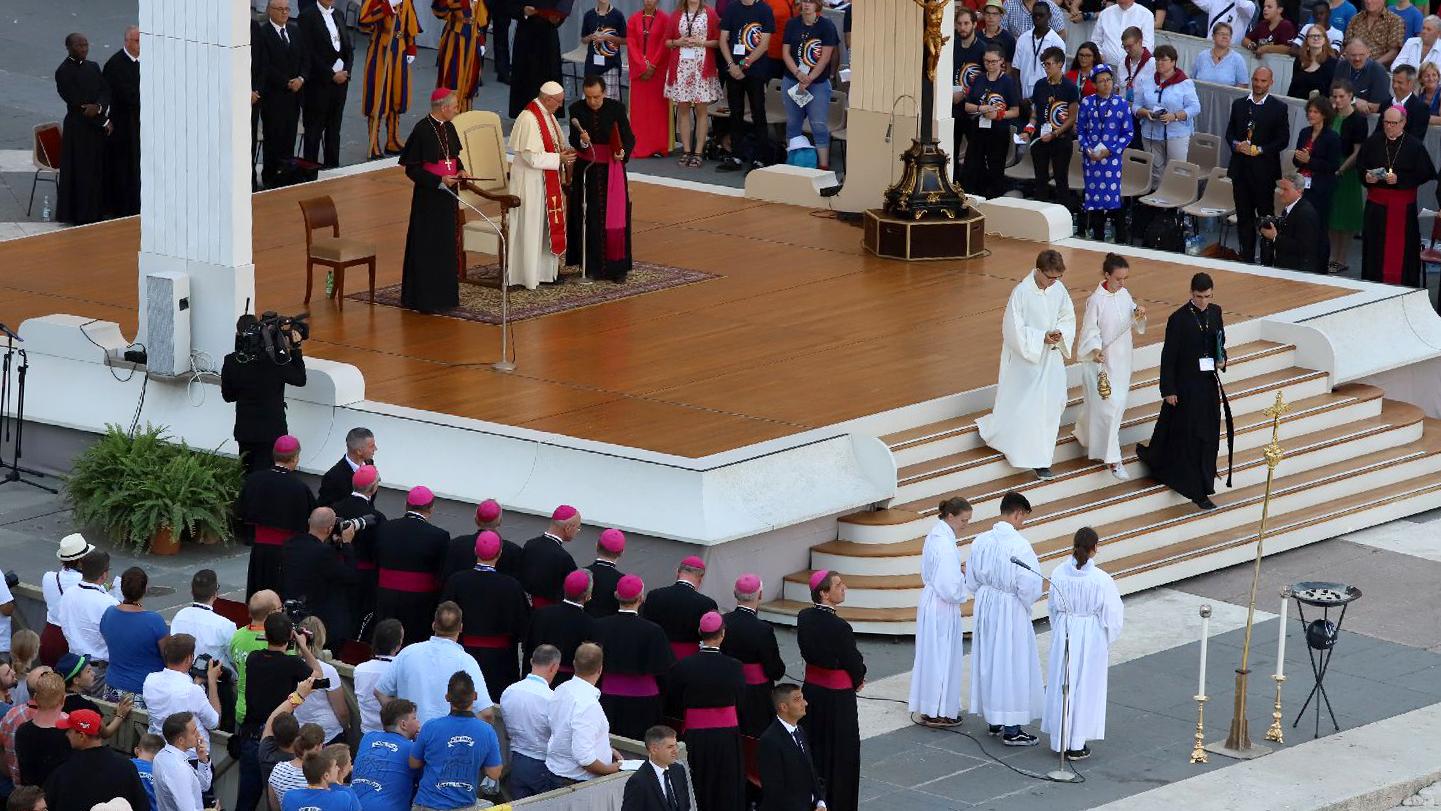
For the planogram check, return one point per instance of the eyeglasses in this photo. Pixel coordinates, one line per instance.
(993, 61)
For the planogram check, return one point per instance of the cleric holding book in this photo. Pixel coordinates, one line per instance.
(599, 215)
(429, 281)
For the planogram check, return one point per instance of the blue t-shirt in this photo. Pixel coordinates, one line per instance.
(1412, 17)
(985, 90)
(1341, 16)
(745, 24)
(383, 779)
(455, 748)
(806, 41)
(147, 779)
(319, 799)
(602, 57)
(133, 638)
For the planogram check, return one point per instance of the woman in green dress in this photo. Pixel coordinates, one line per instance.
(1346, 202)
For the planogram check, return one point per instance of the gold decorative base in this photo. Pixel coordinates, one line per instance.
(1198, 754)
(1274, 733)
(911, 240)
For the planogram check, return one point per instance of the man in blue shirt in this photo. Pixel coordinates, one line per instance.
(602, 29)
(145, 752)
(746, 29)
(452, 750)
(383, 779)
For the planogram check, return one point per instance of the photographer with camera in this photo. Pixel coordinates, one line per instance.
(318, 570)
(178, 688)
(1290, 239)
(267, 357)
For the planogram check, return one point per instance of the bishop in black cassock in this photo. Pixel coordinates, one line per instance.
(604, 576)
(708, 688)
(409, 555)
(1183, 447)
(495, 613)
(637, 654)
(81, 189)
(429, 280)
(564, 625)
(598, 219)
(275, 506)
(752, 642)
(835, 670)
(122, 154)
(545, 563)
(365, 482)
(1393, 165)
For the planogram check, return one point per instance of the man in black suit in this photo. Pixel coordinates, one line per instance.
(359, 451)
(284, 64)
(1257, 131)
(1403, 93)
(331, 55)
(322, 575)
(659, 785)
(1291, 241)
(788, 777)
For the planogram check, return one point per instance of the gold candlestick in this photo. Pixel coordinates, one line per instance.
(1274, 733)
(1198, 752)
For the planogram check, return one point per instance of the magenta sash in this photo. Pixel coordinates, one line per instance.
(754, 673)
(615, 200)
(710, 718)
(629, 685)
(442, 168)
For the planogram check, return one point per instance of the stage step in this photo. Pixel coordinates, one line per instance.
(1170, 544)
(958, 434)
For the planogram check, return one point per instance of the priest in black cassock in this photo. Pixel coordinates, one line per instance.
(677, 608)
(364, 484)
(605, 576)
(81, 189)
(564, 625)
(1393, 164)
(1183, 447)
(495, 614)
(598, 219)
(835, 670)
(535, 51)
(708, 688)
(275, 506)
(122, 153)
(409, 557)
(429, 281)
(462, 547)
(637, 653)
(752, 641)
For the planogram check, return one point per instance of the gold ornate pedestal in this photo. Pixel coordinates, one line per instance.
(909, 239)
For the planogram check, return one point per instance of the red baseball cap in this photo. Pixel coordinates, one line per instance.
(86, 722)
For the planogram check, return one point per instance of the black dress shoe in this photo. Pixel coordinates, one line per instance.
(1205, 503)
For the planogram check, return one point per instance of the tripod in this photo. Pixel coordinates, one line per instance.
(12, 471)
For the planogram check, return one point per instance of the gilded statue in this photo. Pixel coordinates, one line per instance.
(934, 40)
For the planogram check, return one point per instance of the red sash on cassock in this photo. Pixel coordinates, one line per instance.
(1397, 203)
(554, 196)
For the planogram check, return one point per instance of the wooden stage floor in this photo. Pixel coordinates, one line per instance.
(802, 329)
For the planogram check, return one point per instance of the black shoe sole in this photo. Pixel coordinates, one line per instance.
(1020, 741)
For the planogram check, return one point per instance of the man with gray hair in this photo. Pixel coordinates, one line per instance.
(1423, 49)
(1293, 237)
(752, 641)
(359, 451)
(122, 148)
(525, 706)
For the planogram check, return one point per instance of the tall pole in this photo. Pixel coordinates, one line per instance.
(1238, 741)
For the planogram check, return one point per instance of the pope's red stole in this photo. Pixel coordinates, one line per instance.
(554, 195)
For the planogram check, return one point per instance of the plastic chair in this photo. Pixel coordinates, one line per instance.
(333, 251)
(1135, 172)
(45, 156)
(1180, 186)
(1204, 151)
(1218, 199)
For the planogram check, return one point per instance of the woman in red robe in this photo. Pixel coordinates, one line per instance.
(650, 115)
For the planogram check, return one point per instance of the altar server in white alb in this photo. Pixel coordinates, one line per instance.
(536, 235)
(940, 644)
(1036, 336)
(1105, 345)
(1006, 686)
(1085, 606)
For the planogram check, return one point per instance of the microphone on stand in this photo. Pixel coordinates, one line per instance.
(1024, 565)
(1059, 774)
(585, 206)
(505, 364)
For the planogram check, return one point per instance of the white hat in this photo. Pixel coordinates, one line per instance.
(798, 142)
(73, 547)
(117, 804)
(552, 89)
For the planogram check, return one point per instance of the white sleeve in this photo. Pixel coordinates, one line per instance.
(204, 712)
(1066, 322)
(206, 775)
(587, 734)
(540, 160)
(1028, 342)
(1091, 339)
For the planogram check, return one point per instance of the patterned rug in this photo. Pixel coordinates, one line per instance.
(483, 303)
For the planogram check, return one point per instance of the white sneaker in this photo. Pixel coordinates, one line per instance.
(1119, 471)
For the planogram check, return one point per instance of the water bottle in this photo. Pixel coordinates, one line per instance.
(329, 283)
(1110, 230)
(45, 209)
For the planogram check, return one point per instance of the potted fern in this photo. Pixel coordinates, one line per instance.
(148, 493)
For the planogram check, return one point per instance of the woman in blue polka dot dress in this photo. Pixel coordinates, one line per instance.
(1104, 124)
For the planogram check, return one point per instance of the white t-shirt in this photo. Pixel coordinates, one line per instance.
(212, 632)
(5, 598)
(316, 708)
(367, 675)
(53, 586)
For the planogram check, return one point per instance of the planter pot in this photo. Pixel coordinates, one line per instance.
(165, 542)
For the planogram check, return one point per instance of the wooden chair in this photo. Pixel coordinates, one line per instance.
(333, 251)
(45, 155)
(482, 152)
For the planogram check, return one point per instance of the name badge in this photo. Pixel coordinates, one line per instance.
(1305, 181)
(598, 60)
(984, 123)
(691, 52)
(739, 49)
(1208, 364)
(1046, 129)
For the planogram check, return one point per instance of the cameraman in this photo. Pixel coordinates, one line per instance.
(318, 569)
(1290, 239)
(178, 688)
(255, 379)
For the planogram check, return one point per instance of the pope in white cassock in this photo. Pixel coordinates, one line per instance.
(940, 642)
(1086, 606)
(1005, 667)
(1105, 343)
(1036, 331)
(536, 235)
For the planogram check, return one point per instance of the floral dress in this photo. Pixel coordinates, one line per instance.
(1103, 122)
(690, 84)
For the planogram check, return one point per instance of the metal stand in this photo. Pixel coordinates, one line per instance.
(1320, 661)
(504, 364)
(585, 222)
(13, 471)
(1274, 733)
(1198, 749)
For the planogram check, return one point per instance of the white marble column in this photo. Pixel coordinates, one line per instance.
(195, 159)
